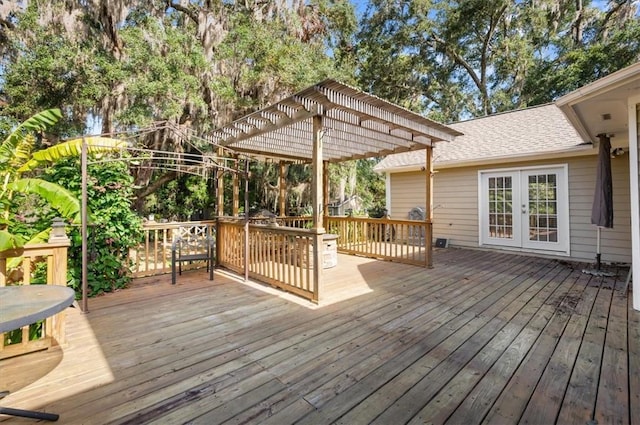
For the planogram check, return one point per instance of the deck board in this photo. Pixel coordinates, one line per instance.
(578, 406)
(442, 364)
(612, 405)
(482, 337)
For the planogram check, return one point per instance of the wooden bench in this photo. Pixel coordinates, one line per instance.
(192, 243)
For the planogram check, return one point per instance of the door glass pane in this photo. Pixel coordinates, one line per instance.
(543, 209)
(500, 207)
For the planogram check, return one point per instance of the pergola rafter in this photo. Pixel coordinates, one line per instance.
(366, 125)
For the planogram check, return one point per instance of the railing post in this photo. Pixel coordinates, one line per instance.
(58, 266)
(57, 275)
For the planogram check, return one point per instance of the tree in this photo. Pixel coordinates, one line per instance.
(601, 41)
(452, 58)
(455, 59)
(192, 64)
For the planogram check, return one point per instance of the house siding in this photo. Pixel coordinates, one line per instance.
(616, 242)
(455, 203)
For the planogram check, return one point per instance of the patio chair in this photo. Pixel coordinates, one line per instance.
(193, 243)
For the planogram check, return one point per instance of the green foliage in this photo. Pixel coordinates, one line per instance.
(55, 195)
(17, 146)
(16, 151)
(454, 59)
(72, 148)
(114, 227)
(184, 198)
(574, 67)
(109, 197)
(162, 67)
(17, 157)
(257, 52)
(50, 68)
(371, 185)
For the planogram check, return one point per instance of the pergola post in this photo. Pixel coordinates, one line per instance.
(246, 219)
(220, 188)
(85, 221)
(325, 187)
(428, 216)
(236, 190)
(282, 197)
(318, 202)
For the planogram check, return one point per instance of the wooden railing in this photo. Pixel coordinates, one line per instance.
(301, 222)
(230, 245)
(153, 255)
(17, 268)
(278, 255)
(401, 241)
(280, 252)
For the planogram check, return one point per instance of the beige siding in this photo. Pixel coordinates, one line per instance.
(455, 203)
(408, 190)
(455, 200)
(616, 242)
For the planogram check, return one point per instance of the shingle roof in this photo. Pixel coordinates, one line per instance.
(524, 132)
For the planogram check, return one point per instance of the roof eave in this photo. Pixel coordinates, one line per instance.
(568, 102)
(595, 88)
(581, 150)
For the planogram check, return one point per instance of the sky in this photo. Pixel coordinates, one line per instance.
(361, 6)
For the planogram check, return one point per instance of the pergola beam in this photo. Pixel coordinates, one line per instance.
(366, 107)
(228, 138)
(338, 143)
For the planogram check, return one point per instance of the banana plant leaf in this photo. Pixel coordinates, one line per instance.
(8, 241)
(72, 148)
(57, 196)
(41, 237)
(38, 122)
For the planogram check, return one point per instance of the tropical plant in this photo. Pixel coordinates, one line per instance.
(18, 158)
(113, 229)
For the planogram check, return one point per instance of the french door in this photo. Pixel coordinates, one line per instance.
(525, 208)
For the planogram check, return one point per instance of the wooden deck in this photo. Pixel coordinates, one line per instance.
(481, 338)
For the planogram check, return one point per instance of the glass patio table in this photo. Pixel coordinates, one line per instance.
(22, 305)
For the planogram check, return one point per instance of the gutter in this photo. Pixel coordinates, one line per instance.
(610, 82)
(581, 150)
(613, 81)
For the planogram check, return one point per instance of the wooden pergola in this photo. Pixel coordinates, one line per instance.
(330, 122)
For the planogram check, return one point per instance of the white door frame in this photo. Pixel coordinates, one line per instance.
(514, 214)
(521, 208)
